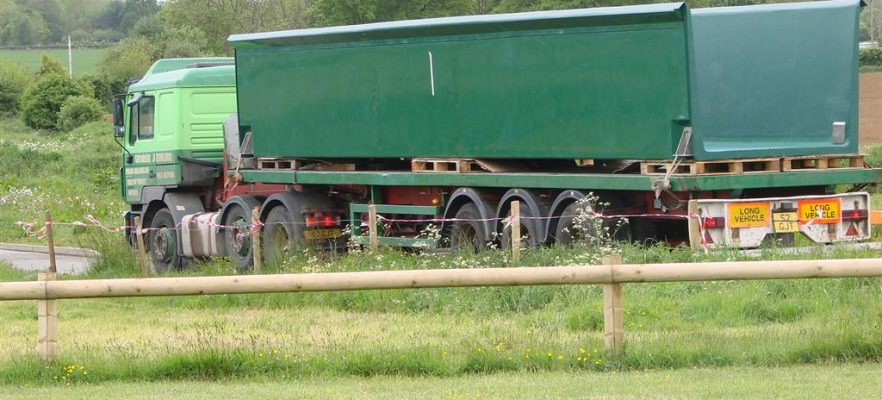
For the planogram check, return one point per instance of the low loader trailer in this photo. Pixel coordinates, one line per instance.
(740, 122)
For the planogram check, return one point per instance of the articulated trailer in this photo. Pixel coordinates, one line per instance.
(750, 111)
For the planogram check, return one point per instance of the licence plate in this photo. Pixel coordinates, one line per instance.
(748, 215)
(820, 211)
(785, 222)
(315, 234)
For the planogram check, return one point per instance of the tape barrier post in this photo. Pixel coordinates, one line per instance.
(142, 256)
(613, 325)
(515, 232)
(372, 227)
(50, 241)
(255, 239)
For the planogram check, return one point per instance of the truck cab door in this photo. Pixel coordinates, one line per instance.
(139, 168)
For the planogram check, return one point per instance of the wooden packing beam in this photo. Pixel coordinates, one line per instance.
(436, 278)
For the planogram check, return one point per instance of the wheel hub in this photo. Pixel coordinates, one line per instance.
(240, 237)
(164, 244)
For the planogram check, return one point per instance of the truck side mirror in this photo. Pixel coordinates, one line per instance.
(118, 121)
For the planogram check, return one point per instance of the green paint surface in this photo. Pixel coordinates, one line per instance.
(565, 85)
(603, 83)
(771, 80)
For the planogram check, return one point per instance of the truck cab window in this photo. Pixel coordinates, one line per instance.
(141, 119)
(145, 118)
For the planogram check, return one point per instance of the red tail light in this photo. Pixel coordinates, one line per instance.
(855, 215)
(328, 220)
(714, 223)
(319, 220)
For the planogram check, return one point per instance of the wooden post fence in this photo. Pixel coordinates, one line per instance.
(611, 275)
(613, 318)
(47, 323)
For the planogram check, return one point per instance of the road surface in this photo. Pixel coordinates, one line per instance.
(73, 264)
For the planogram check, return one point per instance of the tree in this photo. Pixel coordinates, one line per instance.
(129, 59)
(14, 79)
(135, 10)
(49, 65)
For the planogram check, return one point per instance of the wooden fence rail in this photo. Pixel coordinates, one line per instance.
(611, 274)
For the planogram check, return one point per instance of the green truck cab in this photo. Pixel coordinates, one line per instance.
(173, 117)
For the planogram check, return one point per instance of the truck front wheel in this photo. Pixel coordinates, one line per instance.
(163, 242)
(237, 237)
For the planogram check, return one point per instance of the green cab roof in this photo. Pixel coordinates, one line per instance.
(184, 72)
(464, 25)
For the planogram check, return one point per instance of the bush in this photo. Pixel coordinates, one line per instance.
(874, 156)
(103, 87)
(872, 56)
(14, 79)
(77, 111)
(42, 101)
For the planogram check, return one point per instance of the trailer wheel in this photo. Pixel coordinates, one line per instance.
(576, 225)
(163, 242)
(281, 236)
(466, 232)
(237, 238)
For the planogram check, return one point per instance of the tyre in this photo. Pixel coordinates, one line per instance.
(577, 225)
(237, 238)
(529, 231)
(467, 233)
(282, 237)
(163, 243)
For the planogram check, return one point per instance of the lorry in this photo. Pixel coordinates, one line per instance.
(733, 126)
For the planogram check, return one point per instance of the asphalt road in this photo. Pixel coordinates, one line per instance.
(36, 261)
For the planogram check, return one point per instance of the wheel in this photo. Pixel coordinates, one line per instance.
(575, 224)
(282, 237)
(529, 230)
(467, 232)
(237, 237)
(163, 242)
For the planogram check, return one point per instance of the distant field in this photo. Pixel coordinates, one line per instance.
(871, 108)
(84, 60)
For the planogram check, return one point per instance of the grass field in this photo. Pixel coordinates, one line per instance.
(835, 381)
(446, 332)
(84, 60)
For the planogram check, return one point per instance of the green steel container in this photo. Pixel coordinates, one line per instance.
(773, 80)
(603, 83)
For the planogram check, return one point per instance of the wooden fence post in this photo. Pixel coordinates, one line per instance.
(613, 324)
(47, 323)
(255, 240)
(515, 232)
(142, 256)
(372, 227)
(50, 241)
